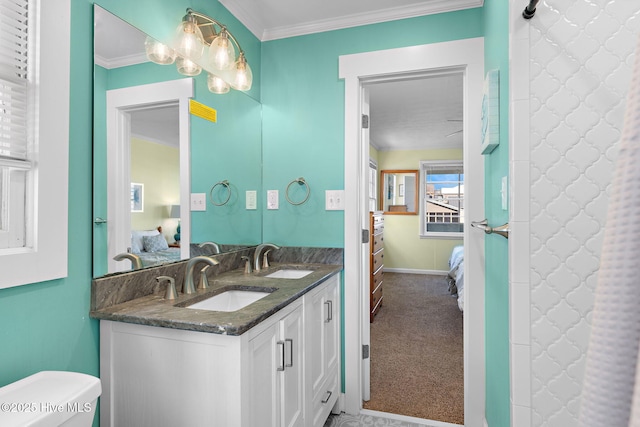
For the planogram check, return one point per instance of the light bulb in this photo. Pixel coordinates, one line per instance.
(187, 67)
(243, 77)
(188, 40)
(216, 84)
(158, 52)
(222, 54)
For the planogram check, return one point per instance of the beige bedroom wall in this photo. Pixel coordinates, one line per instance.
(157, 167)
(404, 249)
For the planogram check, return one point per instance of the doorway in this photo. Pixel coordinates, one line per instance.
(356, 70)
(120, 104)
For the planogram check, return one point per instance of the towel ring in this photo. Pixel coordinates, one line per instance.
(299, 181)
(225, 184)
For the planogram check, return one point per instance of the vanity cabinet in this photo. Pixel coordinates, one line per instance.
(285, 371)
(276, 375)
(376, 262)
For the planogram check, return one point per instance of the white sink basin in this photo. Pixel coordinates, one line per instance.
(229, 300)
(289, 274)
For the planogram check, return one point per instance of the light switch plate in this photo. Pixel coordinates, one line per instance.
(334, 200)
(251, 199)
(198, 201)
(272, 199)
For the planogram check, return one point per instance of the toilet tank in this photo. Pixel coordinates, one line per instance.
(50, 399)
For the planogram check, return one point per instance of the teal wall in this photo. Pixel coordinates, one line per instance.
(496, 14)
(303, 115)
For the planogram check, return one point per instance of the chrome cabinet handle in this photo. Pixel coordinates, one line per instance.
(99, 220)
(329, 304)
(327, 398)
(290, 364)
(281, 367)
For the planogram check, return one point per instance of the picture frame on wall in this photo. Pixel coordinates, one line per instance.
(137, 197)
(490, 134)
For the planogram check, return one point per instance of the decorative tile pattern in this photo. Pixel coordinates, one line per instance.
(581, 53)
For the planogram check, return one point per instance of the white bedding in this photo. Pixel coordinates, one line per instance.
(456, 274)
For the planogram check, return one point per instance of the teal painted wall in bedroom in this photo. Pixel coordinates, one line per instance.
(496, 14)
(303, 115)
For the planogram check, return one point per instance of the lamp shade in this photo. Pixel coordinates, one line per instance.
(243, 78)
(175, 211)
(188, 40)
(158, 52)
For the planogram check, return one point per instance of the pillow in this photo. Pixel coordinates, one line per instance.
(154, 243)
(137, 244)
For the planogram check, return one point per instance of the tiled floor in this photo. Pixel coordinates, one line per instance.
(366, 420)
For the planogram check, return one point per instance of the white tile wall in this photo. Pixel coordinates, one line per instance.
(570, 68)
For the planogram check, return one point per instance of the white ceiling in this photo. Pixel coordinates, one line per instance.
(408, 114)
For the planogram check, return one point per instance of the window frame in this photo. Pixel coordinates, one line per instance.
(424, 234)
(45, 254)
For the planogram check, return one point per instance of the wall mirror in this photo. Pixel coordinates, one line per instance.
(169, 165)
(399, 192)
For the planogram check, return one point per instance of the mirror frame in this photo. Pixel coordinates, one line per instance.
(383, 174)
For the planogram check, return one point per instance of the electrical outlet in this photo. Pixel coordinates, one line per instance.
(251, 199)
(198, 201)
(272, 199)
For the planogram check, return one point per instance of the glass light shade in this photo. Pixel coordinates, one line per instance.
(187, 67)
(188, 40)
(243, 77)
(158, 52)
(216, 84)
(222, 54)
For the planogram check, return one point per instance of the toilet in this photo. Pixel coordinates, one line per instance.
(50, 399)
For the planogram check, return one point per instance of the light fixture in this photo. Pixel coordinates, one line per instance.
(195, 32)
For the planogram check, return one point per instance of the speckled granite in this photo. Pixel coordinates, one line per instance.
(135, 297)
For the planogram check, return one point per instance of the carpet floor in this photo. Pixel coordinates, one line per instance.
(417, 350)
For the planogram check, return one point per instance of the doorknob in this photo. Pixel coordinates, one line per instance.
(99, 220)
(483, 225)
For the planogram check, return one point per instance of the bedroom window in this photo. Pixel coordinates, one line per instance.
(373, 185)
(34, 138)
(441, 198)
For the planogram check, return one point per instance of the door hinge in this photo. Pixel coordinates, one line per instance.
(365, 121)
(365, 351)
(365, 236)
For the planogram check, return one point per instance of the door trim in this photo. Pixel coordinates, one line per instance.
(467, 54)
(119, 103)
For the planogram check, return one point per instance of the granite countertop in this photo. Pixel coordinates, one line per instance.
(154, 310)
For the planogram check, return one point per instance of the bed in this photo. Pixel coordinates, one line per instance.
(152, 247)
(455, 277)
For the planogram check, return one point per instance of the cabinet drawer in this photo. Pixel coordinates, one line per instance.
(378, 260)
(377, 242)
(376, 280)
(376, 296)
(326, 399)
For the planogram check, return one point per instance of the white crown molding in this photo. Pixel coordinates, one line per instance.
(122, 61)
(264, 34)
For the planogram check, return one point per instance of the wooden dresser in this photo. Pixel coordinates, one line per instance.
(376, 261)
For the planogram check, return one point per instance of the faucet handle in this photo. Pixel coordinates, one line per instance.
(247, 264)
(171, 287)
(204, 282)
(265, 259)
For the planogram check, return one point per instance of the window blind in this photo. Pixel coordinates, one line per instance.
(14, 82)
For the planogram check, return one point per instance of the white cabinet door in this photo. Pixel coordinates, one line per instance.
(276, 374)
(264, 387)
(292, 391)
(322, 350)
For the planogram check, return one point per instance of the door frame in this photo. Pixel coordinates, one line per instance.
(120, 102)
(356, 70)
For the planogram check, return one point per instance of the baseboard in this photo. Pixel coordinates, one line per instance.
(415, 271)
(407, 419)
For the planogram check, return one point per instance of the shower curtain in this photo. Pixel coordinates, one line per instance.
(611, 390)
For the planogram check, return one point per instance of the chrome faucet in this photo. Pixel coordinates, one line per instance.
(136, 261)
(214, 245)
(188, 286)
(256, 256)
(171, 286)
